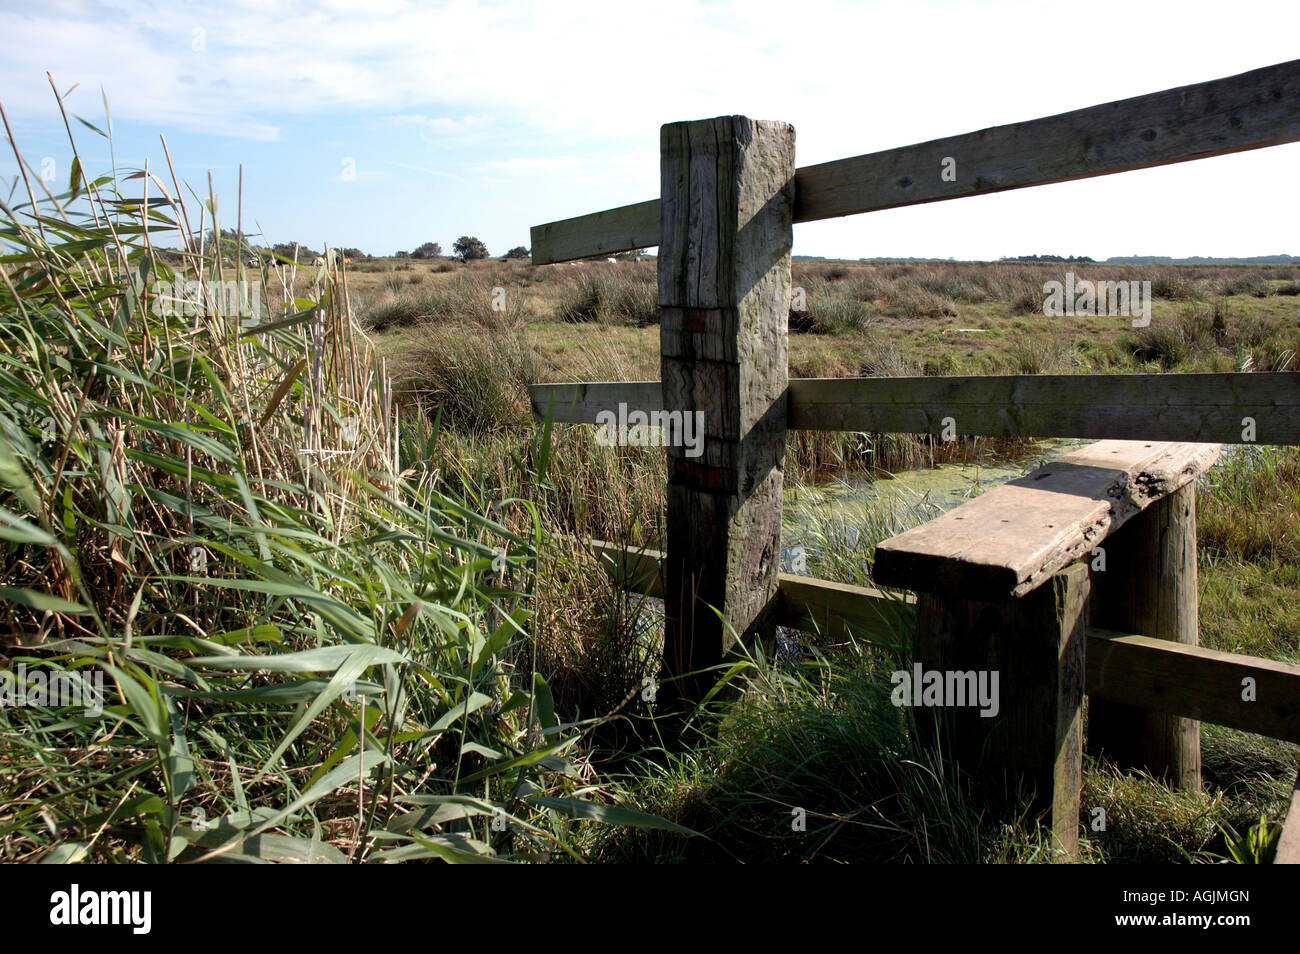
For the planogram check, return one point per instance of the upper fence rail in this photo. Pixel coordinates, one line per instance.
(1247, 111)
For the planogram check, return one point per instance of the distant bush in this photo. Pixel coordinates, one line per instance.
(517, 252)
(467, 247)
(1249, 282)
(427, 250)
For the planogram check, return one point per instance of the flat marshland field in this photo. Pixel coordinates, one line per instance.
(340, 620)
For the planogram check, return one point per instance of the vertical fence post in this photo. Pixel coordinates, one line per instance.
(1034, 740)
(726, 206)
(1149, 588)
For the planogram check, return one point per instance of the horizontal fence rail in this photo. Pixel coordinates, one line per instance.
(1248, 111)
(1219, 408)
(1154, 674)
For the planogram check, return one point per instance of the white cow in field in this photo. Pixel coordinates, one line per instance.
(318, 260)
(612, 261)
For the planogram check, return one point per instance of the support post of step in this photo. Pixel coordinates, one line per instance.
(1148, 588)
(726, 208)
(1033, 741)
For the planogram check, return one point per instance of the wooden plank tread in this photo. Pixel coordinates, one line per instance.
(1006, 542)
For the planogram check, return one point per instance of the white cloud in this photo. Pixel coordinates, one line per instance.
(576, 91)
(425, 169)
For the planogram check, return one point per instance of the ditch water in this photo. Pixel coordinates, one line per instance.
(842, 521)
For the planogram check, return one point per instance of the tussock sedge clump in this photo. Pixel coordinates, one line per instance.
(306, 649)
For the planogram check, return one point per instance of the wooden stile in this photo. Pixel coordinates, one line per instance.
(1005, 581)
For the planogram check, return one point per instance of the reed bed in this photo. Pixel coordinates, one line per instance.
(308, 649)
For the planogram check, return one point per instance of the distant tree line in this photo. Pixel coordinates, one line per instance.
(1048, 258)
(467, 248)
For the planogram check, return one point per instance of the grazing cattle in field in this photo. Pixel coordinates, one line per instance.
(254, 262)
(318, 260)
(347, 261)
(612, 261)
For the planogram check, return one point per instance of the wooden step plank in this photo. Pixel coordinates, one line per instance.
(1005, 543)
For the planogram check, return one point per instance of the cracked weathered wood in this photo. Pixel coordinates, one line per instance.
(724, 296)
(1006, 542)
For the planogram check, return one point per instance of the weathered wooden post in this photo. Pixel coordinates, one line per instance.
(1035, 645)
(726, 209)
(1148, 588)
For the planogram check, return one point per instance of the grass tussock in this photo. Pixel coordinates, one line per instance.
(599, 296)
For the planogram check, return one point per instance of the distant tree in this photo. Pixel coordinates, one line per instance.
(517, 252)
(285, 250)
(401, 255)
(427, 250)
(468, 247)
(355, 254)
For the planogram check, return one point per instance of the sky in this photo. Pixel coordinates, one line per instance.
(381, 124)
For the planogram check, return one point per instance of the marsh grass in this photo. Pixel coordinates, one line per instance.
(622, 297)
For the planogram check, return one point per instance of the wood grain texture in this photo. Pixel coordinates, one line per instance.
(837, 611)
(1006, 542)
(1247, 111)
(614, 230)
(1207, 408)
(1036, 645)
(1148, 587)
(724, 295)
(580, 402)
(1195, 682)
